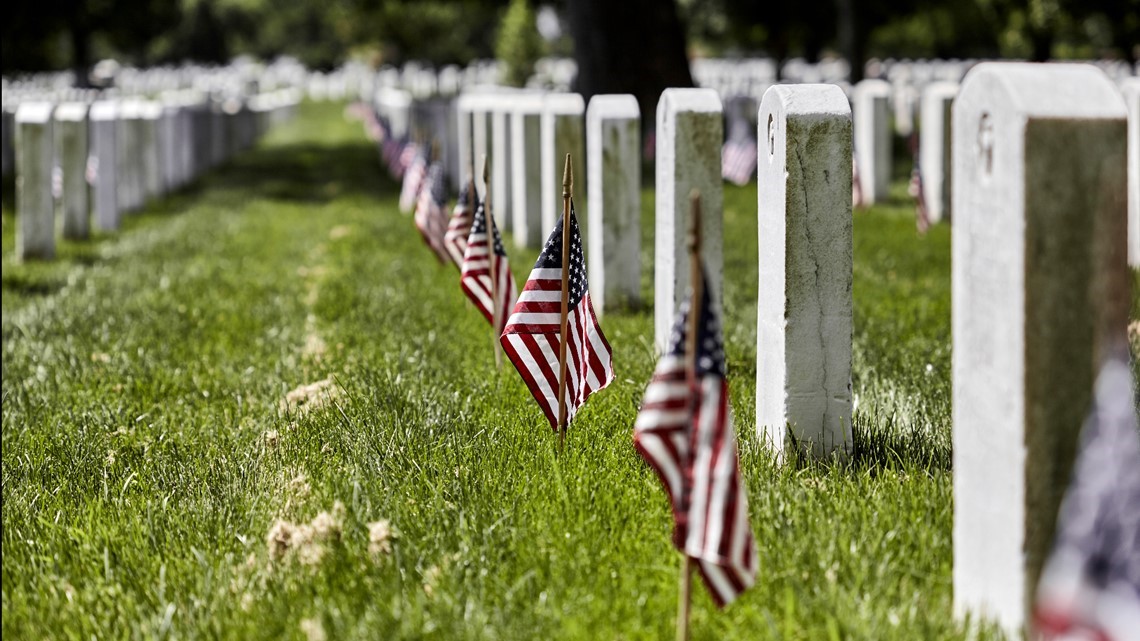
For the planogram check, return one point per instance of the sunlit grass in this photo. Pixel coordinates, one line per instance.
(147, 453)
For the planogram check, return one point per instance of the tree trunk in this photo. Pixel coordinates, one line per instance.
(850, 44)
(629, 46)
(81, 54)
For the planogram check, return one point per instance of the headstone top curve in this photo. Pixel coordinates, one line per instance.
(1046, 90)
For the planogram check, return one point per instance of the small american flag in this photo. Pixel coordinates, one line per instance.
(459, 228)
(532, 335)
(915, 189)
(413, 177)
(429, 217)
(856, 185)
(738, 159)
(1090, 587)
(475, 273)
(685, 434)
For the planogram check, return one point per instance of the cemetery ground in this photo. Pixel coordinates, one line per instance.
(171, 470)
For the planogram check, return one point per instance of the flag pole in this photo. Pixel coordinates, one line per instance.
(691, 338)
(567, 186)
(491, 259)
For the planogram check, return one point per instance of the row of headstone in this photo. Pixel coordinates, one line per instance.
(1045, 216)
(95, 162)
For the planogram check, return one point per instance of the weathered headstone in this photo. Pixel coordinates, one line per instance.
(613, 145)
(934, 147)
(562, 133)
(873, 138)
(1039, 284)
(803, 318)
(128, 152)
(150, 114)
(1131, 90)
(71, 157)
(690, 130)
(102, 164)
(526, 150)
(35, 207)
(9, 128)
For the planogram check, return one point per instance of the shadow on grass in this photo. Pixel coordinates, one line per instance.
(878, 447)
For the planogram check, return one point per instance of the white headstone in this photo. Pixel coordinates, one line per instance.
(71, 156)
(128, 150)
(873, 138)
(464, 107)
(803, 318)
(934, 147)
(152, 156)
(104, 119)
(1039, 283)
(170, 145)
(481, 137)
(501, 175)
(35, 207)
(1131, 90)
(562, 133)
(9, 128)
(613, 145)
(690, 131)
(526, 151)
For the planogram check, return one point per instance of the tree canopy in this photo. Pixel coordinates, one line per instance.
(57, 34)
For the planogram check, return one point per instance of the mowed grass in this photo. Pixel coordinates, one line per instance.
(148, 455)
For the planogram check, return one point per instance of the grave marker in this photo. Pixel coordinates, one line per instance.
(690, 131)
(613, 133)
(873, 138)
(71, 153)
(804, 318)
(35, 207)
(562, 133)
(1039, 287)
(526, 151)
(1131, 89)
(102, 162)
(501, 173)
(934, 147)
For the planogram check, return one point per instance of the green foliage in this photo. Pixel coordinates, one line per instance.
(519, 44)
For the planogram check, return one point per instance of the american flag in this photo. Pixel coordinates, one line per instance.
(915, 189)
(413, 177)
(429, 217)
(459, 228)
(475, 273)
(856, 185)
(1090, 587)
(531, 337)
(738, 159)
(684, 432)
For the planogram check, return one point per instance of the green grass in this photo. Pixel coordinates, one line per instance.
(146, 453)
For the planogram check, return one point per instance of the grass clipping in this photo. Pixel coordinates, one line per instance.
(308, 543)
(310, 397)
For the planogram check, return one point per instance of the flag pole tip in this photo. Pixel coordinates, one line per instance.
(567, 177)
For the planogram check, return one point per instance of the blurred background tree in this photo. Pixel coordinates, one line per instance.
(615, 38)
(519, 44)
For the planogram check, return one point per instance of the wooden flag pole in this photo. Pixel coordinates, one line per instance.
(491, 260)
(567, 186)
(691, 338)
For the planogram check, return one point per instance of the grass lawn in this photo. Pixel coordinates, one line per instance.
(153, 470)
